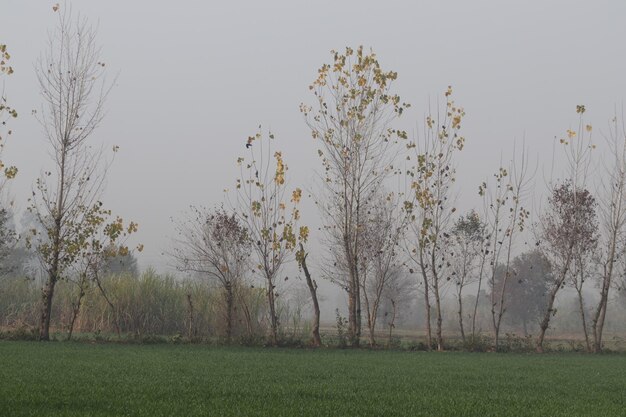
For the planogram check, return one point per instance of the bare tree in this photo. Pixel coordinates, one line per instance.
(65, 201)
(352, 120)
(612, 209)
(568, 227)
(262, 207)
(381, 260)
(432, 206)
(216, 244)
(506, 218)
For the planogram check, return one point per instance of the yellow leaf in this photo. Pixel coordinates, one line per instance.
(296, 196)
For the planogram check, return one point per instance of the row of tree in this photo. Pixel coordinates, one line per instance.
(375, 234)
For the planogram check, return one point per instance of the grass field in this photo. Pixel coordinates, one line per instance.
(75, 379)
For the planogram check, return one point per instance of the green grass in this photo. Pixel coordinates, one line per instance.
(77, 379)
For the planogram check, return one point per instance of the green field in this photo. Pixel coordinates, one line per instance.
(76, 379)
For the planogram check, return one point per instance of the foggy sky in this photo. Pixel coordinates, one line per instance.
(195, 78)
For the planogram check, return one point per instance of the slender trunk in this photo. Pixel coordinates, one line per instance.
(437, 298)
(480, 282)
(115, 312)
(497, 320)
(371, 319)
(460, 295)
(392, 322)
(75, 311)
(371, 325)
(229, 311)
(353, 295)
(357, 337)
(247, 316)
(545, 322)
(48, 290)
(190, 332)
(600, 313)
(315, 331)
(583, 319)
(439, 318)
(53, 273)
(46, 310)
(600, 324)
(271, 298)
(461, 285)
(356, 342)
(429, 337)
(552, 297)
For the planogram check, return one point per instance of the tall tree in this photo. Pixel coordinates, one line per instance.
(352, 121)
(216, 244)
(65, 202)
(381, 260)
(262, 207)
(568, 227)
(432, 205)
(612, 217)
(506, 219)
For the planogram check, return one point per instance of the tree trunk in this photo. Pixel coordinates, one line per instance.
(598, 320)
(600, 313)
(271, 299)
(371, 321)
(247, 316)
(75, 311)
(545, 322)
(429, 336)
(583, 319)
(229, 311)
(357, 337)
(480, 282)
(315, 331)
(439, 319)
(437, 300)
(555, 289)
(115, 312)
(392, 322)
(190, 332)
(461, 314)
(497, 318)
(46, 310)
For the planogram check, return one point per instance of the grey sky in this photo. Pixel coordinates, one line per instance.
(197, 77)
